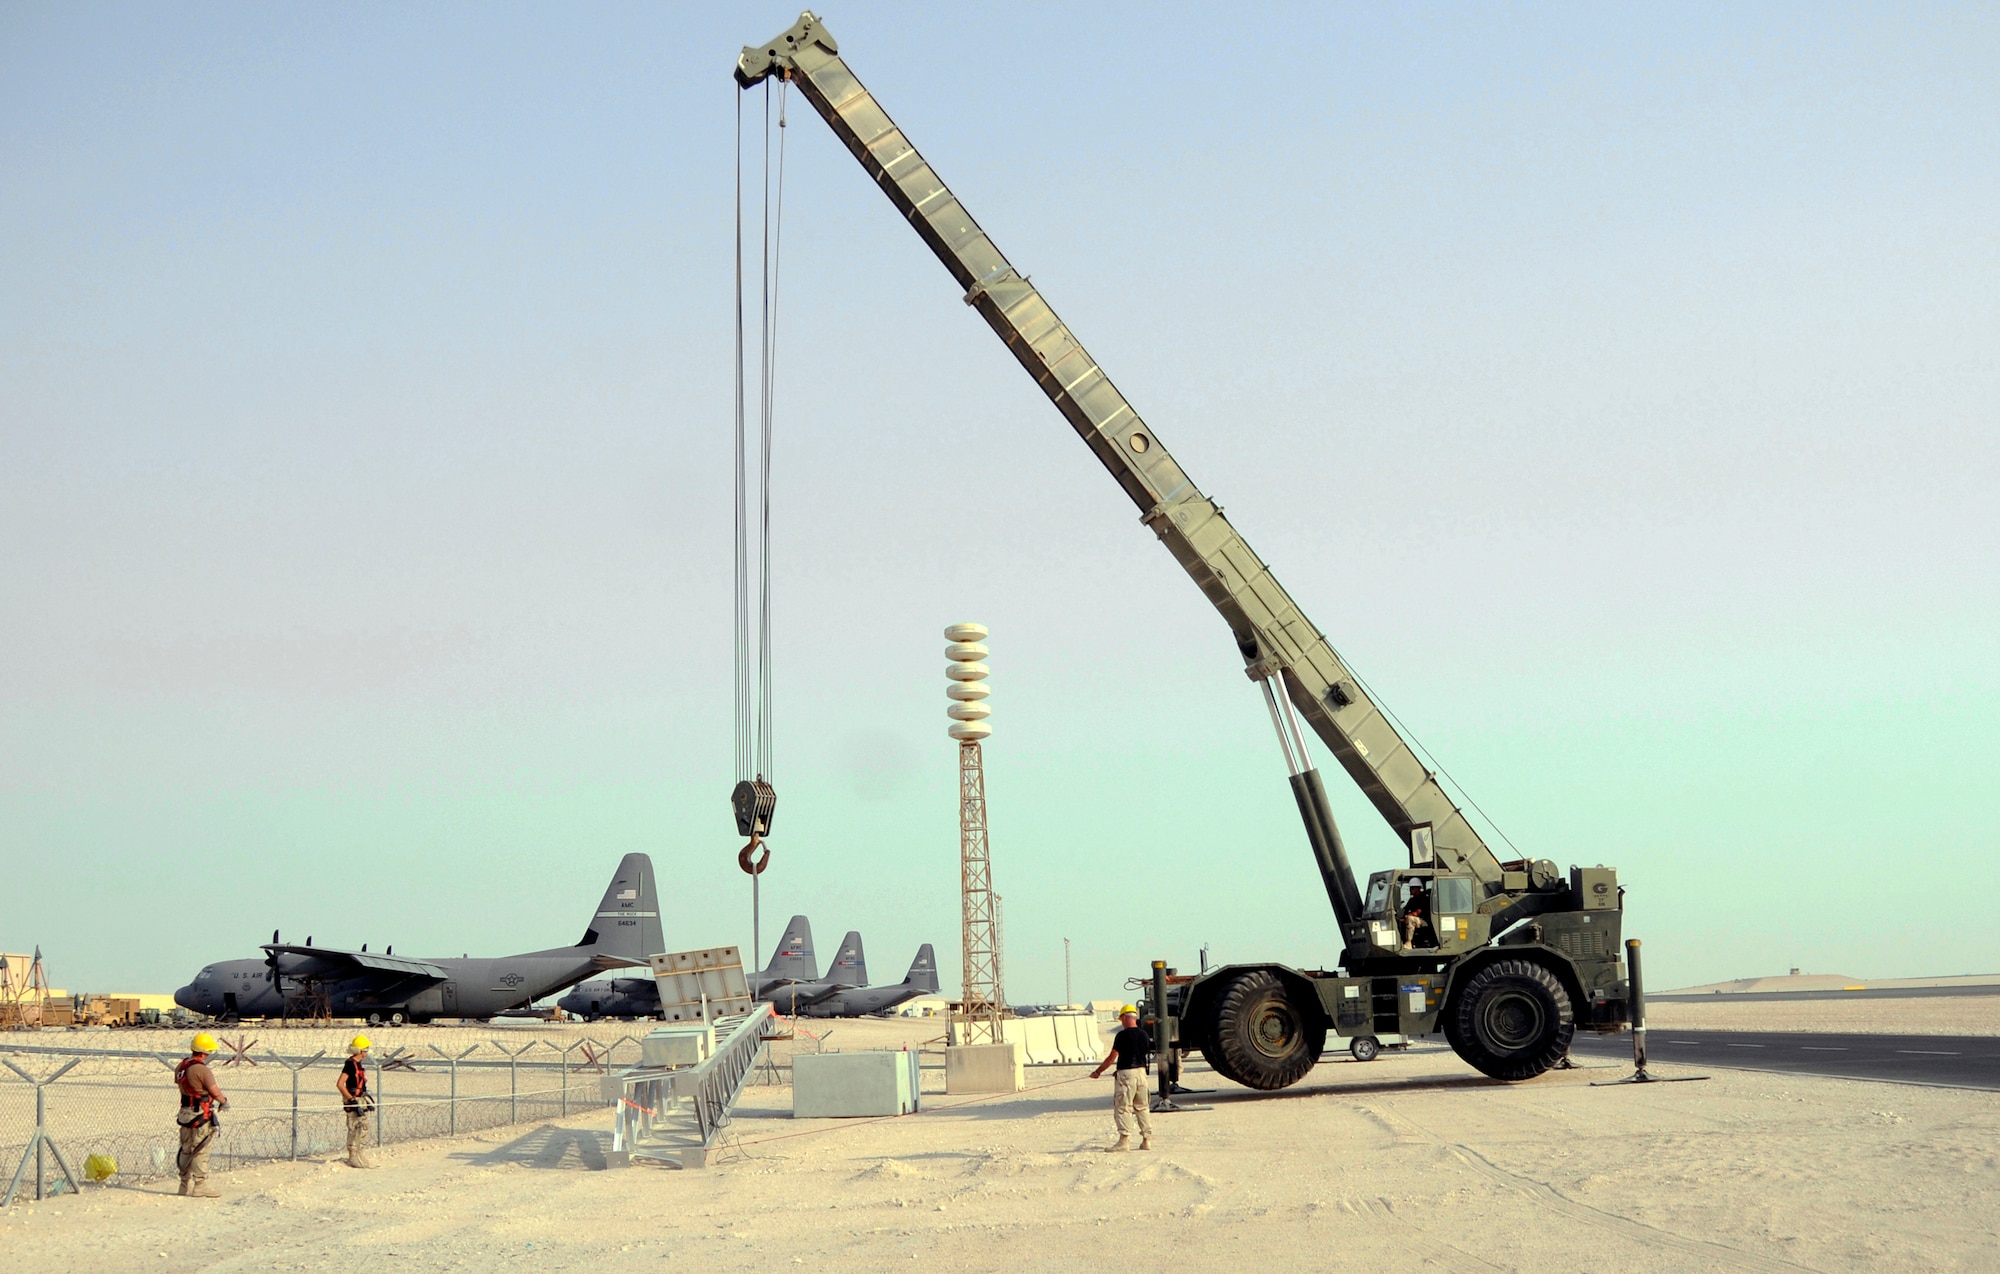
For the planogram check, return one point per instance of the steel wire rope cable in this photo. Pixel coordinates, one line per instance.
(755, 700)
(1417, 746)
(774, 239)
(742, 649)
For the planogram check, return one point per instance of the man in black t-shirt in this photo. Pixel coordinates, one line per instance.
(1129, 1098)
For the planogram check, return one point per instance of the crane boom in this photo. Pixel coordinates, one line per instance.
(1276, 638)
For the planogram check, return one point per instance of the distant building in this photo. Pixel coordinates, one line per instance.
(923, 1006)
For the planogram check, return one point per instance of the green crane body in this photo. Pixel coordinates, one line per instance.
(1507, 959)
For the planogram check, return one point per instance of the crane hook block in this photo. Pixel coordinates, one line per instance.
(754, 802)
(756, 867)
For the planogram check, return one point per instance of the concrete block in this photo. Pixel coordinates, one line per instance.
(846, 1085)
(677, 1044)
(984, 1068)
(696, 984)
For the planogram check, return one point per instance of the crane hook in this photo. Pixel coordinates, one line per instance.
(743, 856)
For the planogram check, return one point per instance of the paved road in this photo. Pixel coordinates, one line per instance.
(1865, 993)
(1945, 1061)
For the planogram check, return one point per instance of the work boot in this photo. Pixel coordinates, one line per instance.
(202, 1190)
(358, 1161)
(1123, 1143)
(184, 1185)
(1145, 1143)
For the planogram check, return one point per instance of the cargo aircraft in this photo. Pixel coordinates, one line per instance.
(843, 993)
(314, 982)
(860, 1001)
(848, 972)
(793, 965)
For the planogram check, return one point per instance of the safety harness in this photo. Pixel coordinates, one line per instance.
(360, 1103)
(197, 1108)
(197, 1111)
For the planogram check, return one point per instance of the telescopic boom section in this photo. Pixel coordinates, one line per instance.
(1274, 635)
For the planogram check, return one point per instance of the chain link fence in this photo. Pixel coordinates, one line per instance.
(120, 1104)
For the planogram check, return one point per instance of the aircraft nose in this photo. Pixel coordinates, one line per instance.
(185, 997)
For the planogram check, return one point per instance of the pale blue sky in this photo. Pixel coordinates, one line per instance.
(1617, 387)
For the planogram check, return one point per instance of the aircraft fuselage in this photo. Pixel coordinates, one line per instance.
(476, 987)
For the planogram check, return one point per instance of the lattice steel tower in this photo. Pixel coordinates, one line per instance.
(981, 1002)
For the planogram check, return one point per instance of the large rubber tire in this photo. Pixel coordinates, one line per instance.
(1262, 1037)
(1512, 1020)
(1365, 1048)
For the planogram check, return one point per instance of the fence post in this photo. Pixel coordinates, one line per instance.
(514, 1077)
(454, 1079)
(565, 1070)
(295, 1089)
(41, 1137)
(381, 1090)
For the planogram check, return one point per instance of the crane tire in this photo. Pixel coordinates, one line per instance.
(1263, 1038)
(1513, 1020)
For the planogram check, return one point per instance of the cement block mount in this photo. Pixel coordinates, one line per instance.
(677, 1044)
(850, 1085)
(984, 1068)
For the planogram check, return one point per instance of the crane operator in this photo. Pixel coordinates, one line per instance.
(1416, 913)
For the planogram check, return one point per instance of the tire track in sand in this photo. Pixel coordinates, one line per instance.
(1637, 1231)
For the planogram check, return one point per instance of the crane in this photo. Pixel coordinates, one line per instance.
(1506, 959)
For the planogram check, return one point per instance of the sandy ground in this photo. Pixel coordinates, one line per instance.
(1412, 1162)
(1944, 1015)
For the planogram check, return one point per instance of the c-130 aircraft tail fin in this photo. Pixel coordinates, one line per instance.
(923, 971)
(627, 922)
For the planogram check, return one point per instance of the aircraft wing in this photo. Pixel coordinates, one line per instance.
(804, 993)
(331, 962)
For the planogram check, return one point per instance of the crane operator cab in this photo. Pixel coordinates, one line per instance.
(1422, 909)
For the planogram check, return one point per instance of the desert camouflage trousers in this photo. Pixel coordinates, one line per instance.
(196, 1141)
(357, 1136)
(1130, 1101)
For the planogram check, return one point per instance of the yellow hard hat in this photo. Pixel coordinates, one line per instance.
(203, 1043)
(1130, 1008)
(358, 1044)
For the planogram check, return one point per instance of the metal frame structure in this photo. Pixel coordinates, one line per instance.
(981, 1000)
(673, 1114)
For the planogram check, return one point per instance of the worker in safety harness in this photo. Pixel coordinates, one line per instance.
(201, 1098)
(353, 1088)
